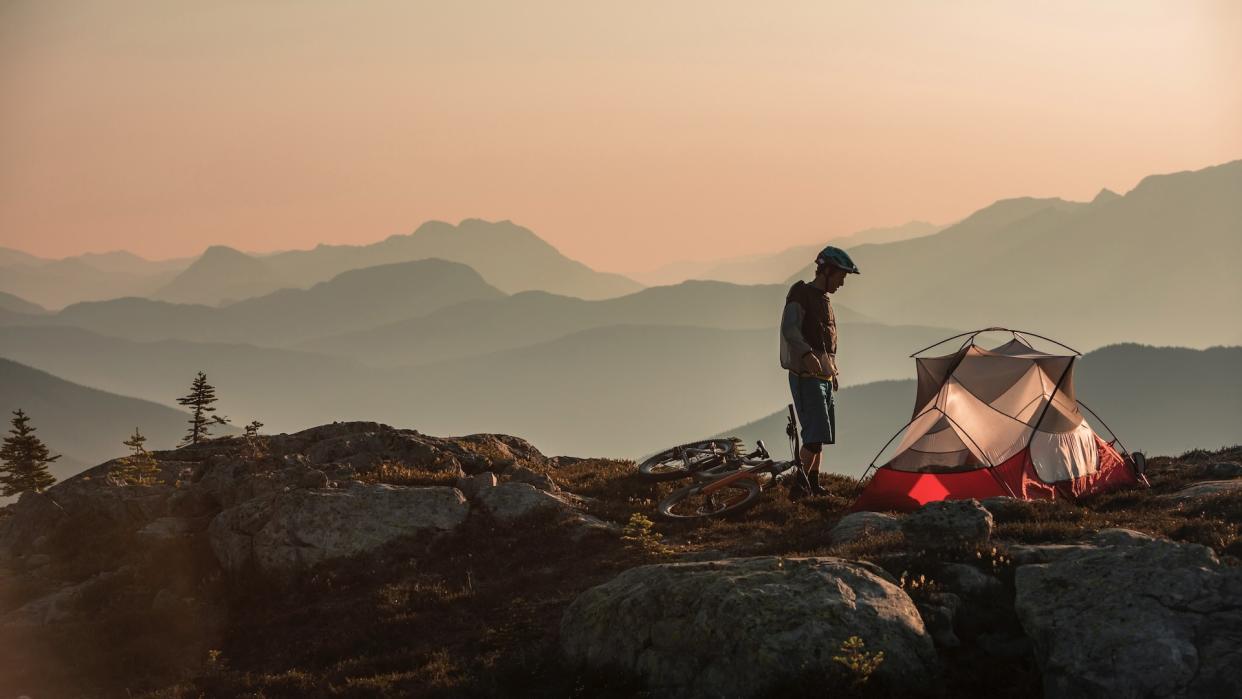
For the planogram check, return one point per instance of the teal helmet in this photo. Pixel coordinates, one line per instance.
(837, 258)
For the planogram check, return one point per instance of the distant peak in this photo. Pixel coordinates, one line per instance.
(223, 251)
(1105, 194)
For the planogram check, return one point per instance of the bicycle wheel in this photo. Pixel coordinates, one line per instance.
(671, 464)
(692, 503)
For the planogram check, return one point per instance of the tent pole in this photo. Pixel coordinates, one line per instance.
(1057, 387)
(890, 439)
(1052, 341)
(1110, 430)
(976, 332)
(991, 469)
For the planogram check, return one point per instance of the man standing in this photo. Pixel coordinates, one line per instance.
(808, 351)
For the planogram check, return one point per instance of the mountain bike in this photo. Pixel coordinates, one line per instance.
(728, 482)
(688, 459)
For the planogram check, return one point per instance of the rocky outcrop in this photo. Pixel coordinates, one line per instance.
(858, 525)
(736, 627)
(509, 502)
(1207, 489)
(1145, 619)
(287, 531)
(948, 524)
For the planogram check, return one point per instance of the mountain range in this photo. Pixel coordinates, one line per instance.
(507, 255)
(775, 267)
(353, 300)
(1157, 265)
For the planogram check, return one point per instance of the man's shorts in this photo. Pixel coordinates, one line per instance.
(812, 399)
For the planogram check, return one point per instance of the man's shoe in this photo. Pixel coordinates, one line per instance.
(818, 489)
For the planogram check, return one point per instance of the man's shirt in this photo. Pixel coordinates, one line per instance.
(808, 324)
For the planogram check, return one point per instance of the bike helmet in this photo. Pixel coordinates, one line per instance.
(837, 258)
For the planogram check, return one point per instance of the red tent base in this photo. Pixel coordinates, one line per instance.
(903, 491)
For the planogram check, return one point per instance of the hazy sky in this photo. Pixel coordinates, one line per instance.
(627, 134)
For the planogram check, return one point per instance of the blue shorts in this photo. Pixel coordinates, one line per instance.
(812, 399)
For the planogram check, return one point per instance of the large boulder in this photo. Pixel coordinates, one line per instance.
(736, 627)
(512, 501)
(289, 530)
(948, 524)
(1153, 619)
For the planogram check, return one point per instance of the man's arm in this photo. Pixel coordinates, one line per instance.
(791, 330)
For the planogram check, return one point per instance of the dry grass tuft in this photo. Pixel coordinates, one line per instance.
(397, 473)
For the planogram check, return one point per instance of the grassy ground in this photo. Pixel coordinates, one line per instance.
(476, 613)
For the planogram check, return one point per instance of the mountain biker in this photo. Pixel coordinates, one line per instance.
(808, 351)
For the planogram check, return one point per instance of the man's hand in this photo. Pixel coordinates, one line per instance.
(811, 362)
(835, 385)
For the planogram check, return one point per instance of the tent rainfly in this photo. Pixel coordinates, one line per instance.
(996, 422)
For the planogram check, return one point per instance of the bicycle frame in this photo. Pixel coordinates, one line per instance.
(717, 482)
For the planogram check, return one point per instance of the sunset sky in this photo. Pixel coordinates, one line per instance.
(626, 134)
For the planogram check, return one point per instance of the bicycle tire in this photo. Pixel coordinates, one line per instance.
(669, 466)
(728, 500)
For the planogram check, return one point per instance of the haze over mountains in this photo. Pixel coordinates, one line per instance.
(509, 256)
(483, 327)
(1158, 265)
(353, 300)
(774, 268)
(616, 389)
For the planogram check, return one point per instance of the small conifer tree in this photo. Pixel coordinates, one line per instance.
(256, 445)
(200, 398)
(24, 459)
(140, 467)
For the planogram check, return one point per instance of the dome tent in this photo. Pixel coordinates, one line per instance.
(995, 422)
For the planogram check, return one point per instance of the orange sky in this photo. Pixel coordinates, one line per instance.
(626, 134)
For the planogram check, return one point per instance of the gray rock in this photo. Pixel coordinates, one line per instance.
(472, 485)
(192, 502)
(168, 528)
(1154, 619)
(62, 604)
(32, 516)
(939, 609)
(967, 579)
(734, 627)
(1225, 469)
(313, 478)
(948, 524)
(290, 530)
(1033, 554)
(709, 555)
(1120, 537)
(509, 502)
(1206, 489)
(521, 474)
(858, 525)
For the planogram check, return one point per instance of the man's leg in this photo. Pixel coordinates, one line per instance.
(812, 455)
